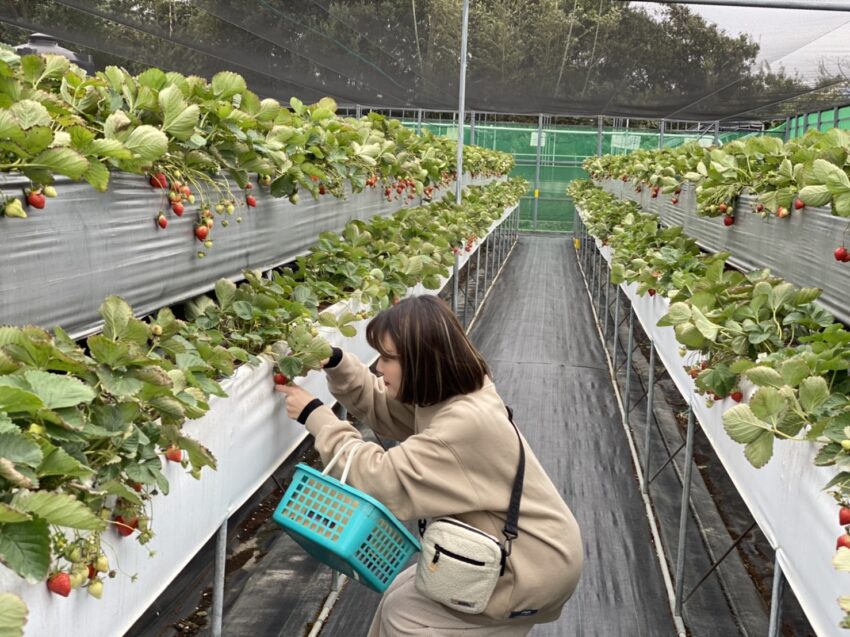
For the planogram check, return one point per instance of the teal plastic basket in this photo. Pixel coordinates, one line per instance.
(344, 528)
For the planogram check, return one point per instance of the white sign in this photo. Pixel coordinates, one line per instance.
(534, 139)
(625, 141)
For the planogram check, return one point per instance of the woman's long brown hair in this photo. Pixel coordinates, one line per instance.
(437, 359)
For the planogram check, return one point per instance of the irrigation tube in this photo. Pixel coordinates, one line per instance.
(650, 515)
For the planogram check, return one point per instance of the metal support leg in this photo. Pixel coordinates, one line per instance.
(775, 627)
(627, 394)
(466, 292)
(616, 336)
(486, 247)
(605, 309)
(477, 277)
(455, 275)
(218, 579)
(648, 430)
(683, 513)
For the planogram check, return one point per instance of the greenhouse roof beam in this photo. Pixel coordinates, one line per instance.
(817, 5)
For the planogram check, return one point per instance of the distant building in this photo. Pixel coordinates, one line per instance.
(40, 43)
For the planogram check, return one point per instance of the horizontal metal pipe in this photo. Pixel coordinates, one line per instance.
(832, 5)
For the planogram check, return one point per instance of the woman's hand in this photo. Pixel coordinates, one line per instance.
(297, 398)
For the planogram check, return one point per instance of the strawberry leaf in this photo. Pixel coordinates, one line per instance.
(813, 392)
(25, 548)
(743, 425)
(64, 161)
(9, 513)
(58, 391)
(61, 509)
(760, 450)
(13, 615)
(147, 142)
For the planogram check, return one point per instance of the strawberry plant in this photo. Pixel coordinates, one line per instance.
(752, 327)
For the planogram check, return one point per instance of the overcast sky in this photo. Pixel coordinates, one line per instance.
(797, 39)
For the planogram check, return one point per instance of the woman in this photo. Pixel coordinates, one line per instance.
(457, 457)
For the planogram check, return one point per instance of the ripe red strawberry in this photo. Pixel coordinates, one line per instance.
(174, 454)
(651, 291)
(201, 233)
(125, 526)
(759, 207)
(677, 190)
(60, 583)
(36, 199)
(728, 220)
(178, 208)
(843, 540)
(674, 200)
(136, 486)
(844, 516)
(737, 396)
(723, 208)
(159, 180)
(322, 190)
(92, 571)
(280, 379)
(162, 221)
(251, 201)
(841, 254)
(798, 204)
(249, 186)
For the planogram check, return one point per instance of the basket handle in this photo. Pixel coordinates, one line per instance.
(338, 454)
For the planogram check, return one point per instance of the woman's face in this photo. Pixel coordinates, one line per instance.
(389, 367)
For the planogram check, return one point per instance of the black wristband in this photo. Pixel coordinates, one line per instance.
(309, 408)
(334, 360)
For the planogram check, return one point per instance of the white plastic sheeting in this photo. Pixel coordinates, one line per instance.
(785, 497)
(61, 262)
(250, 436)
(798, 248)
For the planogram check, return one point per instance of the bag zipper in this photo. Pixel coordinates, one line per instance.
(461, 558)
(469, 528)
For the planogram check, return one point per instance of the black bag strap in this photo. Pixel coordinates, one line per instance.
(511, 530)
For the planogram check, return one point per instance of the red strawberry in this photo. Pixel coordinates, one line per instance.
(136, 486)
(723, 208)
(843, 540)
(728, 220)
(92, 571)
(844, 516)
(651, 291)
(36, 199)
(677, 190)
(759, 207)
(280, 379)
(674, 200)
(159, 180)
(174, 454)
(186, 190)
(841, 254)
(60, 584)
(798, 204)
(178, 208)
(737, 396)
(248, 186)
(251, 201)
(322, 190)
(201, 233)
(125, 526)
(162, 221)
